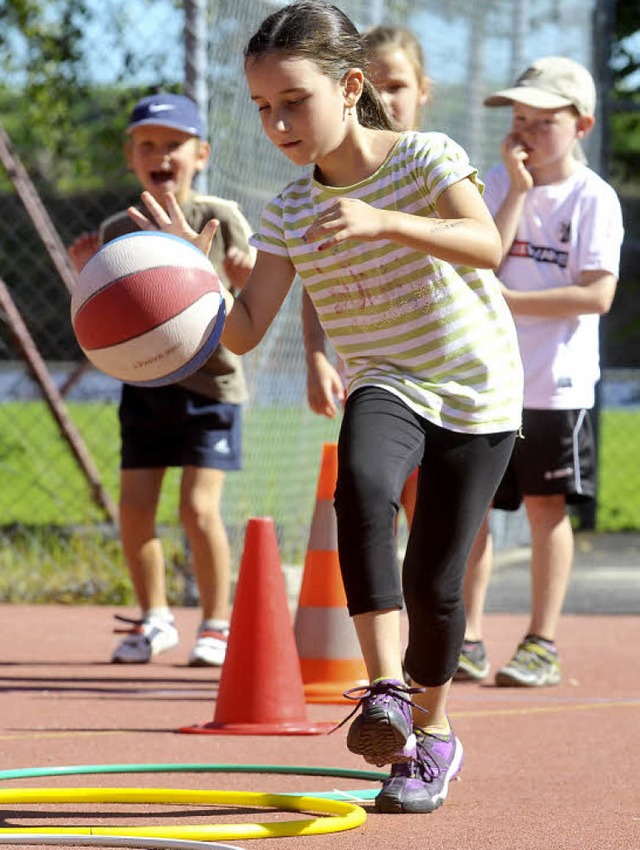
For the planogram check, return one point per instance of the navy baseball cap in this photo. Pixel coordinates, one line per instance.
(168, 110)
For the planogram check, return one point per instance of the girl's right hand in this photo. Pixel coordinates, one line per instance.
(515, 156)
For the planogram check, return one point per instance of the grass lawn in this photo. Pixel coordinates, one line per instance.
(55, 544)
(41, 484)
(619, 471)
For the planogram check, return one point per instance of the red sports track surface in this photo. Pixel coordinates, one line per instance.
(555, 768)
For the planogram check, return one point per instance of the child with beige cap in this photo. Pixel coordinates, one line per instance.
(561, 229)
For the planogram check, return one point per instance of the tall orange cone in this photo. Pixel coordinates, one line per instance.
(261, 690)
(330, 657)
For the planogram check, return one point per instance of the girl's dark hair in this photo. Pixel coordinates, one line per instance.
(322, 33)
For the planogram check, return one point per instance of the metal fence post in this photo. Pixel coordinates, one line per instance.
(195, 66)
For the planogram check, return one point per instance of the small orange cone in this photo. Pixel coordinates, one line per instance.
(330, 657)
(260, 690)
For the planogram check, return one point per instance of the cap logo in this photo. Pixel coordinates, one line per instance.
(167, 110)
(529, 74)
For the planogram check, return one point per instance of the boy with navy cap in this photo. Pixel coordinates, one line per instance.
(168, 110)
(195, 425)
(561, 229)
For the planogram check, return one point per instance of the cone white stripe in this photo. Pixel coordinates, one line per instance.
(323, 536)
(326, 633)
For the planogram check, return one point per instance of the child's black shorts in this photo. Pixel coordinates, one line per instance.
(555, 455)
(172, 426)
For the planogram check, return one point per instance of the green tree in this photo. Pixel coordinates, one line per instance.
(41, 50)
(65, 126)
(625, 66)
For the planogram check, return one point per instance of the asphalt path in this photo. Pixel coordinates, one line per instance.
(605, 577)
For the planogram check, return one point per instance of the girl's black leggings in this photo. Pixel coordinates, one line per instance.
(381, 442)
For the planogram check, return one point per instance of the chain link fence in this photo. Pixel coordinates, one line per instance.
(59, 443)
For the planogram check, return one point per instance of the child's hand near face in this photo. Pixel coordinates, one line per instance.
(515, 156)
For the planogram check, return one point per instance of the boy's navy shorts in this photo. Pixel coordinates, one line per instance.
(172, 426)
(555, 456)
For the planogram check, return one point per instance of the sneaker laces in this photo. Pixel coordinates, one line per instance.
(424, 766)
(379, 688)
(531, 655)
(134, 625)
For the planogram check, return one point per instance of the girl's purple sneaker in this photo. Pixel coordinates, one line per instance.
(383, 732)
(421, 785)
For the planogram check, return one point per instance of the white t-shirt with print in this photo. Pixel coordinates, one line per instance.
(565, 228)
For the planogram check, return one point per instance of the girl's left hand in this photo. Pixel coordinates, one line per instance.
(237, 266)
(347, 218)
(172, 221)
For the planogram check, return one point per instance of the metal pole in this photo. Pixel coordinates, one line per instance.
(475, 82)
(36, 210)
(520, 27)
(195, 66)
(601, 41)
(24, 343)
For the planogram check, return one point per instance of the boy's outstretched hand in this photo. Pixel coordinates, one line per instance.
(172, 221)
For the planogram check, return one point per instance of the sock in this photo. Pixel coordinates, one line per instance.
(162, 613)
(388, 679)
(214, 625)
(549, 645)
(442, 730)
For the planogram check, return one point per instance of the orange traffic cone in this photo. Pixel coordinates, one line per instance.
(261, 690)
(330, 658)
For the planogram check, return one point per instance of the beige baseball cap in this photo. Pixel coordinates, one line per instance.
(551, 83)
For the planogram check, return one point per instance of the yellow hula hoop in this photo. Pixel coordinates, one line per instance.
(346, 815)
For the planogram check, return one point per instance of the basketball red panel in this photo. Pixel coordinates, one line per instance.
(137, 303)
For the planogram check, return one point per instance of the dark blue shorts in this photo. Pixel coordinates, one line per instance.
(172, 426)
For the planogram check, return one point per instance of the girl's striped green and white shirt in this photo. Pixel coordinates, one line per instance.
(438, 335)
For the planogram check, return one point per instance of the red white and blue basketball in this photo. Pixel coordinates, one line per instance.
(148, 309)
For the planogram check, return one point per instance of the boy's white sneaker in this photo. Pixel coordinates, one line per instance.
(146, 638)
(210, 648)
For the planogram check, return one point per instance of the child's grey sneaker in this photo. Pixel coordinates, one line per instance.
(534, 665)
(422, 784)
(383, 732)
(473, 664)
(210, 648)
(146, 638)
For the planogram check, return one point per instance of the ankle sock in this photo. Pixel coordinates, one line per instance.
(162, 613)
(214, 625)
(549, 645)
(441, 731)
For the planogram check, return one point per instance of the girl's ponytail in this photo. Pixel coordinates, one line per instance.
(372, 111)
